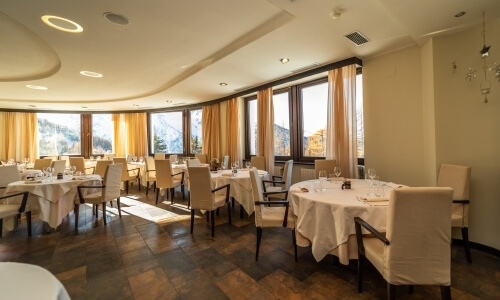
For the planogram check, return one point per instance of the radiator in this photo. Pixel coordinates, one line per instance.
(307, 174)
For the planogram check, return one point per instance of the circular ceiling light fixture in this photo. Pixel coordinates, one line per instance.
(223, 84)
(116, 18)
(284, 60)
(62, 24)
(91, 74)
(168, 101)
(460, 14)
(37, 87)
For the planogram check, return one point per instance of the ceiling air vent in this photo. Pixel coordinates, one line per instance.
(357, 38)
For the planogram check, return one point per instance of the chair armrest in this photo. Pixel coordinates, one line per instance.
(23, 202)
(180, 173)
(277, 176)
(284, 202)
(80, 187)
(150, 170)
(274, 182)
(359, 235)
(93, 169)
(461, 201)
(277, 192)
(226, 186)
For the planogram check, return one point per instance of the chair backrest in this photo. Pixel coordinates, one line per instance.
(41, 164)
(173, 158)
(257, 194)
(202, 196)
(457, 177)
(100, 167)
(193, 162)
(50, 157)
(78, 162)
(163, 173)
(159, 156)
(419, 231)
(108, 156)
(203, 158)
(287, 174)
(259, 162)
(327, 165)
(129, 158)
(65, 158)
(112, 181)
(8, 174)
(59, 166)
(123, 161)
(150, 165)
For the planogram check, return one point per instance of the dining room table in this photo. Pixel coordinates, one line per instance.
(325, 212)
(53, 199)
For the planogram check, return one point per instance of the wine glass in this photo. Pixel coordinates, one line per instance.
(248, 164)
(372, 173)
(237, 164)
(337, 171)
(50, 170)
(224, 165)
(72, 169)
(322, 178)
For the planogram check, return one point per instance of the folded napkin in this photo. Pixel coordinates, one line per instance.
(378, 204)
(394, 185)
(304, 190)
(32, 181)
(375, 199)
(80, 177)
(227, 174)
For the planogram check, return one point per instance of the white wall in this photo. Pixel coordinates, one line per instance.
(419, 114)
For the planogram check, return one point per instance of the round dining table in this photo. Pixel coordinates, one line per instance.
(325, 218)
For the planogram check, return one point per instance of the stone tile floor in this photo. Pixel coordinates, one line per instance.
(149, 253)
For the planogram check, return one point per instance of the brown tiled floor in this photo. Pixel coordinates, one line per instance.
(150, 254)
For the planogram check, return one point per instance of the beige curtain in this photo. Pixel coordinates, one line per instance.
(130, 136)
(341, 120)
(233, 130)
(19, 136)
(210, 135)
(265, 127)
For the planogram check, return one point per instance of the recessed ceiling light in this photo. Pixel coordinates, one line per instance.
(284, 60)
(84, 107)
(31, 105)
(62, 24)
(223, 84)
(168, 101)
(136, 105)
(91, 74)
(460, 14)
(37, 87)
(116, 18)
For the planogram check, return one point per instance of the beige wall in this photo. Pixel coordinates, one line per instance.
(419, 114)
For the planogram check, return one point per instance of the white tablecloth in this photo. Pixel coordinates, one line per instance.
(53, 200)
(325, 220)
(25, 281)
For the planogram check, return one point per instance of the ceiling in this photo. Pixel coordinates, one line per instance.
(176, 53)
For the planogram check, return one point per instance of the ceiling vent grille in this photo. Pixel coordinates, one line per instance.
(357, 38)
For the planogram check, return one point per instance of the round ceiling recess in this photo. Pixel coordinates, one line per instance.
(116, 18)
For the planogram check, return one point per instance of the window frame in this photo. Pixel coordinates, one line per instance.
(184, 125)
(187, 149)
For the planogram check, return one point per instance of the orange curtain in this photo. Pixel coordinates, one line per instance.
(341, 120)
(210, 135)
(19, 136)
(130, 134)
(265, 127)
(233, 130)
(119, 135)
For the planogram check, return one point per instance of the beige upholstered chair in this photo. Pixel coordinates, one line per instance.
(173, 158)
(7, 210)
(205, 196)
(150, 171)
(8, 174)
(166, 179)
(42, 164)
(190, 163)
(79, 163)
(159, 156)
(65, 158)
(458, 178)
(108, 156)
(50, 157)
(283, 184)
(203, 158)
(107, 192)
(268, 215)
(416, 247)
(100, 167)
(324, 165)
(258, 162)
(59, 167)
(128, 175)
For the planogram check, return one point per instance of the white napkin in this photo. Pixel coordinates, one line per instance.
(226, 174)
(375, 199)
(379, 203)
(394, 185)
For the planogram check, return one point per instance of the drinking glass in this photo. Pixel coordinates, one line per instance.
(248, 164)
(141, 159)
(337, 171)
(372, 173)
(374, 186)
(72, 169)
(322, 179)
(317, 186)
(50, 170)
(237, 164)
(224, 165)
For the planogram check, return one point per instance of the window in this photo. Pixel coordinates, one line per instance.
(313, 103)
(167, 132)
(102, 134)
(59, 134)
(195, 141)
(252, 126)
(281, 124)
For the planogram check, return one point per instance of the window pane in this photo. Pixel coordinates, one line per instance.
(281, 125)
(167, 132)
(359, 116)
(314, 105)
(102, 134)
(252, 126)
(59, 134)
(195, 130)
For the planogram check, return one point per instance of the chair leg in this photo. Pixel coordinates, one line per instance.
(294, 244)
(171, 196)
(76, 210)
(28, 221)
(259, 237)
(104, 213)
(126, 187)
(241, 211)
(213, 222)
(157, 192)
(147, 188)
(119, 206)
(232, 201)
(335, 261)
(360, 272)
(391, 291)
(192, 220)
(1, 227)
(189, 200)
(465, 237)
(182, 190)
(217, 212)
(445, 292)
(411, 289)
(229, 212)
(139, 183)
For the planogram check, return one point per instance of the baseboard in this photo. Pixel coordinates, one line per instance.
(480, 247)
